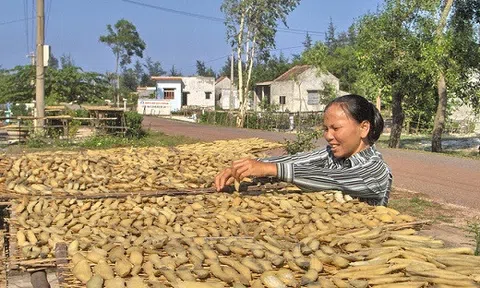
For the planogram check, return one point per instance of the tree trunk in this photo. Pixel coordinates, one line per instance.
(243, 109)
(241, 97)
(378, 102)
(440, 115)
(439, 123)
(39, 279)
(117, 88)
(397, 120)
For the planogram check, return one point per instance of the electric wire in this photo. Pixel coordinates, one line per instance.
(217, 19)
(49, 9)
(25, 15)
(33, 26)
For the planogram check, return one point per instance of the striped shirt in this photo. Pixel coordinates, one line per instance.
(363, 175)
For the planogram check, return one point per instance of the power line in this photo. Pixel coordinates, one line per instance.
(25, 14)
(215, 19)
(49, 9)
(200, 16)
(33, 26)
(14, 21)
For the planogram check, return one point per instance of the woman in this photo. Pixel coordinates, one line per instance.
(349, 163)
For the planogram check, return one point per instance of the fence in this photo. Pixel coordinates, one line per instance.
(271, 121)
(59, 127)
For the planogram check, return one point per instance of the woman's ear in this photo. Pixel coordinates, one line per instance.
(364, 128)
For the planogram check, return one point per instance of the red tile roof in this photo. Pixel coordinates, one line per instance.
(293, 72)
(220, 79)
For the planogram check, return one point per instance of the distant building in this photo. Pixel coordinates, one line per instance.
(145, 92)
(222, 94)
(302, 88)
(185, 92)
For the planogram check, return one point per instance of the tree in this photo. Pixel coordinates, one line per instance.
(67, 84)
(154, 68)
(251, 28)
(463, 48)
(66, 60)
(307, 43)
(225, 70)
(330, 36)
(17, 85)
(129, 80)
(72, 84)
(316, 56)
(125, 42)
(138, 68)
(269, 69)
(202, 70)
(440, 116)
(174, 71)
(388, 47)
(53, 62)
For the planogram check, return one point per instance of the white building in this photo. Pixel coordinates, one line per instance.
(223, 89)
(185, 92)
(198, 91)
(302, 88)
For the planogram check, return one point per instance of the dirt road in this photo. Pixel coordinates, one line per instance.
(443, 178)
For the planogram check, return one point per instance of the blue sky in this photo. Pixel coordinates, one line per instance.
(73, 27)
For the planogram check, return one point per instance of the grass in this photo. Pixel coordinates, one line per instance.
(423, 143)
(422, 209)
(473, 229)
(150, 139)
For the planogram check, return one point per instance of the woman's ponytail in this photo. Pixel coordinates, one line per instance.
(376, 125)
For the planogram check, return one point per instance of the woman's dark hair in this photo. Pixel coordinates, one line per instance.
(361, 110)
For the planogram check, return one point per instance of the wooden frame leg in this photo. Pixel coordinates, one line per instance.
(39, 279)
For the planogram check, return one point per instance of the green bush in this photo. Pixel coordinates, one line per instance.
(20, 109)
(305, 142)
(134, 124)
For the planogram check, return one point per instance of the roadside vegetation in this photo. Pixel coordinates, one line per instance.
(149, 139)
(473, 229)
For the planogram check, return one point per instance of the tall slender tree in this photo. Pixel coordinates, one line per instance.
(174, 72)
(389, 50)
(125, 42)
(202, 70)
(330, 37)
(307, 43)
(251, 28)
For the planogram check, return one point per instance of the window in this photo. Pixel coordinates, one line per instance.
(283, 100)
(207, 95)
(313, 97)
(168, 93)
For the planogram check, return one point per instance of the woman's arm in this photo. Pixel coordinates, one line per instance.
(305, 157)
(371, 179)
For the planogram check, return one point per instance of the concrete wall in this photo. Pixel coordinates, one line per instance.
(224, 101)
(196, 88)
(175, 103)
(308, 80)
(222, 94)
(223, 84)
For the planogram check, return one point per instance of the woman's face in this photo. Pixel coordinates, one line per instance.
(343, 133)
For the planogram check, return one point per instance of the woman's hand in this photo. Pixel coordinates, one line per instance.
(224, 178)
(248, 167)
(244, 168)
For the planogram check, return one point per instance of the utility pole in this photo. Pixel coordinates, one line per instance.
(40, 74)
(231, 100)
